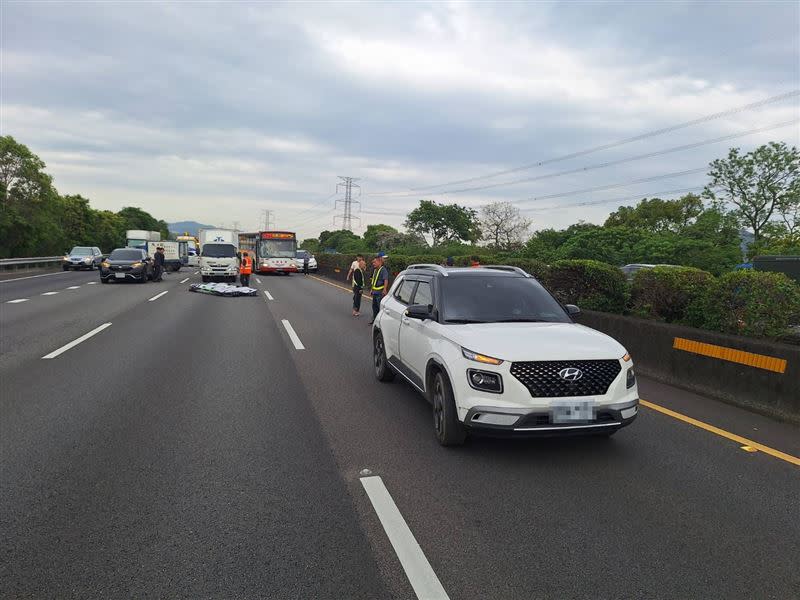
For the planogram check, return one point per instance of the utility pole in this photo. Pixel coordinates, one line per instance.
(268, 219)
(347, 215)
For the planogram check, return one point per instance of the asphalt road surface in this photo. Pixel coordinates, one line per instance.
(190, 449)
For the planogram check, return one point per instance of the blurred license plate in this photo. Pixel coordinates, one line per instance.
(568, 411)
(119, 275)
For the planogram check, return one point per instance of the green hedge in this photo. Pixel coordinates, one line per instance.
(665, 293)
(589, 284)
(754, 303)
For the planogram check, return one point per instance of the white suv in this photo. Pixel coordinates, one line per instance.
(495, 353)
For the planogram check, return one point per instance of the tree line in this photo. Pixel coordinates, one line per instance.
(35, 220)
(758, 191)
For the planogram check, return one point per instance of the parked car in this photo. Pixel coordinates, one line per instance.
(630, 270)
(82, 257)
(495, 353)
(300, 257)
(127, 264)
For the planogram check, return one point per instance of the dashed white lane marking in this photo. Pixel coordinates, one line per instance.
(17, 301)
(74, 343)
(49, 294)
(292, 335)
(196, 272)
(258, 280)
(34, 276)
(92, 283)
(157, 296)
(268, 295)
(418, 570)
(73, 287)
(185, 280)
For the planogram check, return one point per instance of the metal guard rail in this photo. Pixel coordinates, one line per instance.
(36, 261)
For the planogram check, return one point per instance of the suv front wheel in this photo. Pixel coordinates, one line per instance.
(383, 372)
(448, 429)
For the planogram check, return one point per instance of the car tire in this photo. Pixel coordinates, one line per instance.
(65, 268)
(448, 429)
(103, 280)
(383, 372)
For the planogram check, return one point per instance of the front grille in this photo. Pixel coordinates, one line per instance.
(543, 381)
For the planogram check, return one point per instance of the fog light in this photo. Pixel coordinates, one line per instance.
(630, 381)
(485, 381)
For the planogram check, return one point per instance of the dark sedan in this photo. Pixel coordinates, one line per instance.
(127, 264)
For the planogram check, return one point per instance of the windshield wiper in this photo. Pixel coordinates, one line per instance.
(521, 320)
(464, 321)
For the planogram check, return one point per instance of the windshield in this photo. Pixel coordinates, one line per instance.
(493, 298)
(219, 251)
(124, 254)
(277, 248)
(134, 243)
(81, 251)
(302, 254)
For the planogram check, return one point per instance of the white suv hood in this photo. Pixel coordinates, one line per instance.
(534, 341)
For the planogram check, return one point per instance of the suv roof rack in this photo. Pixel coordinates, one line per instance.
(516, 270)
(430, 266)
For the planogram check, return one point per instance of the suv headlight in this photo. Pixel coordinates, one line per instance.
(105, 264)
(485, 381)
(86, 260)
(481, 358)
(630, 378)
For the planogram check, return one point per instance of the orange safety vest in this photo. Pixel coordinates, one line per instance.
(247, 266)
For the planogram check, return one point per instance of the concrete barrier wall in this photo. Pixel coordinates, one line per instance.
(757, 384)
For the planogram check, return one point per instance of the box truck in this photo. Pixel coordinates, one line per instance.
(138, 238)
(218, 254)
(172, 253)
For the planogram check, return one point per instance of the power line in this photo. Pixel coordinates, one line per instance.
(614, 200)
(624, 160)
(705, 119)
(614, 185)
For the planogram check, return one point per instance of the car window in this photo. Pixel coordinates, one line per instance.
(80, 251)
(405, 291)
(424, 294)
(497, 298)
(126, 254)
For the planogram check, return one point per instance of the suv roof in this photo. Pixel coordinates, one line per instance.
(493, 270)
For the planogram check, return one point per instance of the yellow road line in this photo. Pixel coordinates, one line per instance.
(721, 432)
(676, 415)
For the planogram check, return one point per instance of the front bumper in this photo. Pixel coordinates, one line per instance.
(500, 421)
(129, 275)
(77, 265)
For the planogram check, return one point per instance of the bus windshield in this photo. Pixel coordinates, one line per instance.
(277, 248)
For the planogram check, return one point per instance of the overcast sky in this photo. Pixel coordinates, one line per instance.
(214, 112)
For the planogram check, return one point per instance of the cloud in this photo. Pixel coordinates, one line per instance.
(214, 112)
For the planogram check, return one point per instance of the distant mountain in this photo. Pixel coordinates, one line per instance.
(189, 227)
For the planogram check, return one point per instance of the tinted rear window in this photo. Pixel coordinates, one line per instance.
(126, 254)
(495, 298)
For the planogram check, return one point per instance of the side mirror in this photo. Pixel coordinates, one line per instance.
(419, 311)
(572, 310)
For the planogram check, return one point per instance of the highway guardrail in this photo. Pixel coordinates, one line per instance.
(31, 262)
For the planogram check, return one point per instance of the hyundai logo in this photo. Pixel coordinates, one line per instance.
(570, 374)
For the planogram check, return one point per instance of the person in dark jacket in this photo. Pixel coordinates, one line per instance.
(358, 286)
(159, 260)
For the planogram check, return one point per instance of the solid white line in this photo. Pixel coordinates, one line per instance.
(74, 343)
(73, 287)
(157, 296)
(258, 280)
(185, 280)
(92, 283)
(33, 276)
(17, 301)
(49, 294)
(268, 295)
(292, 335)
(418, 570)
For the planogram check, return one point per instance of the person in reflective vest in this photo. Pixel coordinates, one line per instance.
(380, 284)
(245, 269)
